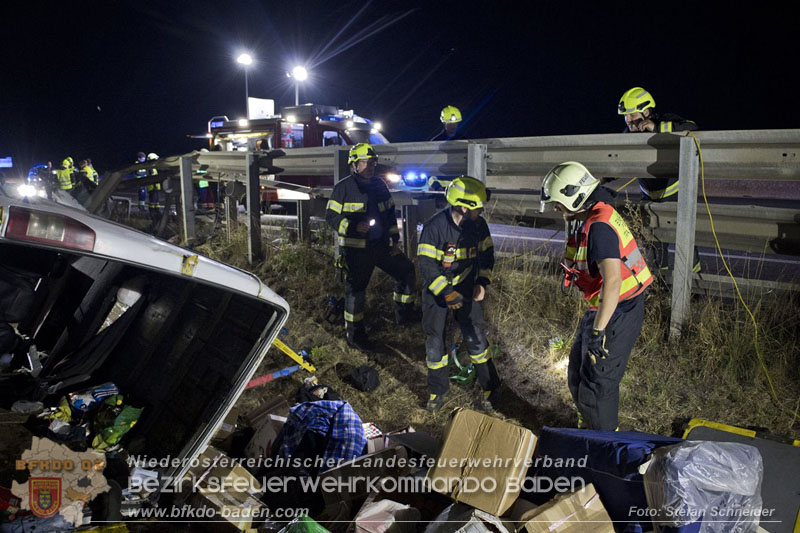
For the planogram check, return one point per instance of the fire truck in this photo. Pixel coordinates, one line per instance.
(294, 127)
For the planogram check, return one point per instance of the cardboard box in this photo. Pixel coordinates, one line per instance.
(576, 512)
(216, 472)
(375, 438)
(235, 480)
(267, 421)
(483, 461)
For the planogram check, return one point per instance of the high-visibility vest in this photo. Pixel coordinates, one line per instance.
(64, 178)
(90, 173)
(636, 275)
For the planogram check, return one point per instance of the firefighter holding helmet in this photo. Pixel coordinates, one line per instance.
(362, 213)
(456, 257)
(605, 263)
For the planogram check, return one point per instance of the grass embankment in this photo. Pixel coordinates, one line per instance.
(712, 372)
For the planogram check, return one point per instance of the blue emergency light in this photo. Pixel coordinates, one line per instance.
(415, 179)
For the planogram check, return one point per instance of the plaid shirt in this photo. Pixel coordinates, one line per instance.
(324, 417)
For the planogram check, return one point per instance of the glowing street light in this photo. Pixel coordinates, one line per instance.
(246, 60)
(299, 74)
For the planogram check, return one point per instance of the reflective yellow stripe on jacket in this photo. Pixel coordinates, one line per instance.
(438, 285)
(353, 207)
(431, 251)
(334, 206)
(664, 193)
(352, 242)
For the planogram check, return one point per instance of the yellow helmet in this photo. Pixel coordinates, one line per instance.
(450, 115)
(361, 151)
(467, 192)
(67, 163)
(569, 184)
(635, 100)
(152, 157)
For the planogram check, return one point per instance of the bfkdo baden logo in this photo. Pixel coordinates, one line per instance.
(45, 495)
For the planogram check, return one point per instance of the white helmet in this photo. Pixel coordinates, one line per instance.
(569, 184)
(152, 157)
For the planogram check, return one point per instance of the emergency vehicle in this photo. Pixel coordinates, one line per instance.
(301, 126)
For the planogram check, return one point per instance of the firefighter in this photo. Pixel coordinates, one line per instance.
(456, 257)
(155, 196)
(362, 213)
(142, 173)
(638, 107)
(605, 263)
(88, 171)
(451, 121)
(64, 174)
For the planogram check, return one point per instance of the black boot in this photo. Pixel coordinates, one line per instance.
(406, 315)
(358, 339)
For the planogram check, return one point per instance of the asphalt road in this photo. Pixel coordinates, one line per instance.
(773, 267)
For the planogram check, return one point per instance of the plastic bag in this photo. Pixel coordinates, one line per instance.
(718, 482)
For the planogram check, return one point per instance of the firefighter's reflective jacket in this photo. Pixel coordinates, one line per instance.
(661, 188)
(353, 202)
(450, 255)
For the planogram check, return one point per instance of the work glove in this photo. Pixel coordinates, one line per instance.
(597, 345)
(454, 300)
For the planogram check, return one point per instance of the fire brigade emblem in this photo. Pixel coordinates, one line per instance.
(45, 495)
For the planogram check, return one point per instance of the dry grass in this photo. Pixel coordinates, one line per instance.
(712, 372)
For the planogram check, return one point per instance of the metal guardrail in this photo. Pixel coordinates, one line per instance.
(513, 169)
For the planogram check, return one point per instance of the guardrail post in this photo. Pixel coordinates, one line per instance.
(410, 214)
(254, 248)
(304, 220)
(340, 167)
(187, 200)
(476, 161)
(682, 274)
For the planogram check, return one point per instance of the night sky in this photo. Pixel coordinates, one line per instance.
(108, 79)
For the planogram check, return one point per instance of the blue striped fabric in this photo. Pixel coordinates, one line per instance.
(347, 439)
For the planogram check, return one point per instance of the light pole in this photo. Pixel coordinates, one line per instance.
(299, 74)
(246, 60)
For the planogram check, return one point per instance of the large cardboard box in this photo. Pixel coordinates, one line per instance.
(576, 512)
(483, 461)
